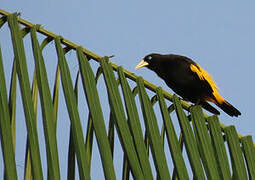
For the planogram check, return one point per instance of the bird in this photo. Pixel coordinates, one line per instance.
(189, 80)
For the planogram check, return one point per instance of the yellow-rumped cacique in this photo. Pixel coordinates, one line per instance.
(189, 80)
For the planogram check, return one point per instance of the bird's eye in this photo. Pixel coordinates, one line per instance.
(149, 57)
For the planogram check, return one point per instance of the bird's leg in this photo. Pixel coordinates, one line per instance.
(198, 102)
(184, 99)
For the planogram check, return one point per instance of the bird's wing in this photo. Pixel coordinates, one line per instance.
(205, 76)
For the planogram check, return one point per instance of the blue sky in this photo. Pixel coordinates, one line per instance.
(219, 35)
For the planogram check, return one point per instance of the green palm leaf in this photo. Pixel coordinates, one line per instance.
(212, 150)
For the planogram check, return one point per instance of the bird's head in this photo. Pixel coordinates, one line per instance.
(149, 61)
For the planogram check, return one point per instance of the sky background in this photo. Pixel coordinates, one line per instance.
(219, 35)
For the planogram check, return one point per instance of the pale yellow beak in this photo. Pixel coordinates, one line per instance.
(142, 64)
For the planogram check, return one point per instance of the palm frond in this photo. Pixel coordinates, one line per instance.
(144, 121)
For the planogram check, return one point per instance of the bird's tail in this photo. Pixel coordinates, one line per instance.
(224, 105)
(209, 107)
(228, 108)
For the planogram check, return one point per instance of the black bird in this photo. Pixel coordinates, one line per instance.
(189, 80)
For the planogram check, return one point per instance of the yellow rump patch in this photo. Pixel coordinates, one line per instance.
(203, 75)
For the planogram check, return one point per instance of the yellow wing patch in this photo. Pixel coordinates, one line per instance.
(203, 75)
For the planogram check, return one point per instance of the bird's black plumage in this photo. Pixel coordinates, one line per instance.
(189, 80)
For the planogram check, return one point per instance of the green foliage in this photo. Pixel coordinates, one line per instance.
(205, 149)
